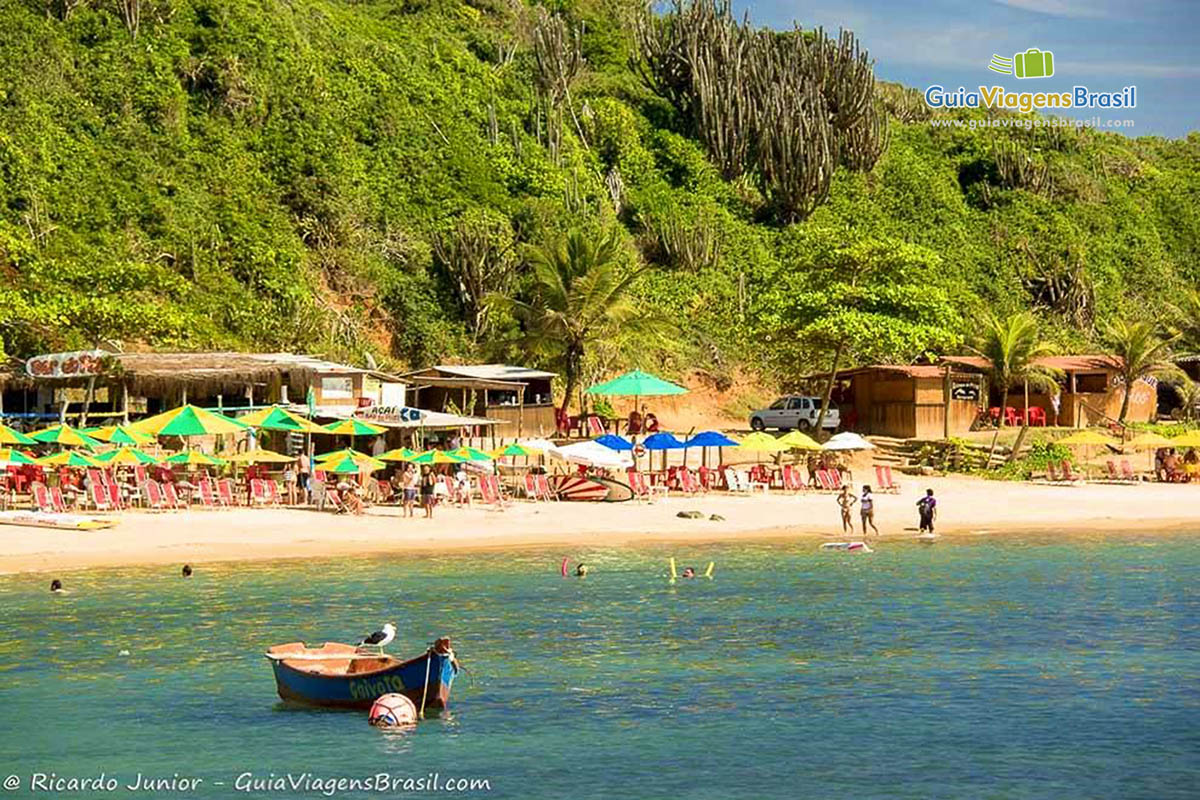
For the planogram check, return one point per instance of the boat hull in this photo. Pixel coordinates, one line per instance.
(358, 683)
(590, 488)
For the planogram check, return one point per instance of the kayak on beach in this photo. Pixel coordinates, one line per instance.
(40, 519)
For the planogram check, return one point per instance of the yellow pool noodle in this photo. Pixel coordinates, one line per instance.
(708, 572)
(673, 569)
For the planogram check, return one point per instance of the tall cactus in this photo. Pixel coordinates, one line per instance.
(784, 107)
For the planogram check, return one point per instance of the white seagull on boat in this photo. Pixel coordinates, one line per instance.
(381, 638)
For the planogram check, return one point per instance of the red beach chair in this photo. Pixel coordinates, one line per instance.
(1067, 475)
(258, 492)
(272, 492)
(595, 425)
(529, 485)
(171, 497)
(41, 498)
(226, 493)
(208, 498)
(154, 495)
(99, 495)
(56, 499)
(543, 487)
(1127, 471)
(689, 483)
(884, 481)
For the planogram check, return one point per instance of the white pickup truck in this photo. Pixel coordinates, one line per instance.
(794, 411)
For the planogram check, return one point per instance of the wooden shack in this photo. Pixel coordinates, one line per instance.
(519, 396)
(909, 401)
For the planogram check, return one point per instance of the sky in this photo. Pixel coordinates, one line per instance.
(1105, 45)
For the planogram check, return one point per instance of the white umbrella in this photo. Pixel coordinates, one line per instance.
(591, 454)
(848, 441)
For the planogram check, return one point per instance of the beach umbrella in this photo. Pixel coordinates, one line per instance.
(592, 454)
(614, 442)
(471, 454)
(637, 384)
(514, 450)
(1149, 440)
(848, 440)
(10, 456)
(344, 464)
(189, 420)
(798, 440)
(11, 436)
(64, 435)
(194, 458)
(258, 457)
(1188, 439)
(399, 454)
(763, 443)
(357, 455)
(119, 434)
(710, 439)
(69, 458)
(126, 457)
(662, 441)
(353, 427)
(1086, 437)
(437, 457)
(278, 418)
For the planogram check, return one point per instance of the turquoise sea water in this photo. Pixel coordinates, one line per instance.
(975, 668)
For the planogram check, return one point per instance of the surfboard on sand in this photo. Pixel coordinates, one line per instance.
(38, 519)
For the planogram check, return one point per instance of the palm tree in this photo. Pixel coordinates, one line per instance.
(579, 298)
(1143, 352)
(1012, 347)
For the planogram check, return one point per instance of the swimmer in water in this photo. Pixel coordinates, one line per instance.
(581, 571)
(187, 570)
(688, 572)
(56, 586)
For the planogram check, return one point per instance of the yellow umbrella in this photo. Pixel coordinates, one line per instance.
(798, 440)
(763, 443)
(471, 454)
(189, 420)
(278, 418)
(194, 457)
(10, 436)
(1188, 439)
(353, 427)
(1086, 437)
(121, 434)
(63, 434)
(514, 450)
(1148, 439)
(357, 455)
(258, 457)
(69, 458)
(126, 457)
(437, 457)
(399, 454)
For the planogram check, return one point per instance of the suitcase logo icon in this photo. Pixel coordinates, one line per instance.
(1033, 63)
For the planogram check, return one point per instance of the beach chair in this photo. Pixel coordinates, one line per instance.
(530, 487)
(98, 494)
(208, 497)
(171, 498)
(1067, 475)
(642, 488)
(56, 500)
(733, 483)
(884, 482)
(334, 498)
(1110, 469)
(543, 487)
(41, 498)
(225, 491)
(595, 426)
(708, 479)
(491, 491)
(114, 495)
(792, 481)
(258, 492)
(1127, 471)
(272, 492)
(689, 483)
(154, 496)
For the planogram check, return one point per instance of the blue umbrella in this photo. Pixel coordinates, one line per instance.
(710, 439)
(662, 441)
(612, 442)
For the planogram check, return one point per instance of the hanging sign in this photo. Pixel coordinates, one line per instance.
(68, 365)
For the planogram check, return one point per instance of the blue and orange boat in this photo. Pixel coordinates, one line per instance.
(337, 675)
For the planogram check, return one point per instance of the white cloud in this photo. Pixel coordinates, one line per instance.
(1060, 8)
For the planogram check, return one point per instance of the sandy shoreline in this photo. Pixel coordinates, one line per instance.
(967, 506)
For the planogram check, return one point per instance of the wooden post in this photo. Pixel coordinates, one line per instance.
(125, 401)
(946, 389)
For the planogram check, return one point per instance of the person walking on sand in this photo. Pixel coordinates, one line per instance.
(428, 484)
(304, 478)
(866, 507)
(927, 508)
(846, 501)
(412, 482)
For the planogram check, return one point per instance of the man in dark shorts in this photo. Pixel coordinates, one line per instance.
(927, 508)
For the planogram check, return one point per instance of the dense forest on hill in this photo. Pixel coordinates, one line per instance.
(354, 178)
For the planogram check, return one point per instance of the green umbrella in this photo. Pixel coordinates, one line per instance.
(277, 418)
(195, 457)
(399, 454)
(357, 455)
(353, 427)
(471, 454)
(189, 420)
(119, 434)
(11, 436)
(637, 384)
(344, 464)
(126, 456)
(63, 434)
(437, 457)
(514, 449)
(69, 458)
(10, 456)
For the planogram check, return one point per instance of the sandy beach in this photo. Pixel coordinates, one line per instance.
(967, 506)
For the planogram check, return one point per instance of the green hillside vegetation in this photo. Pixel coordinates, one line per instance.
(346, 178)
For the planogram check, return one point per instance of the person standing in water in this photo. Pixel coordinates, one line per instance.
(846, 501)
(927, 508)
(867, 508)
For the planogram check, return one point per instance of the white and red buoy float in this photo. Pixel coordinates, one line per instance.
(392, 711)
